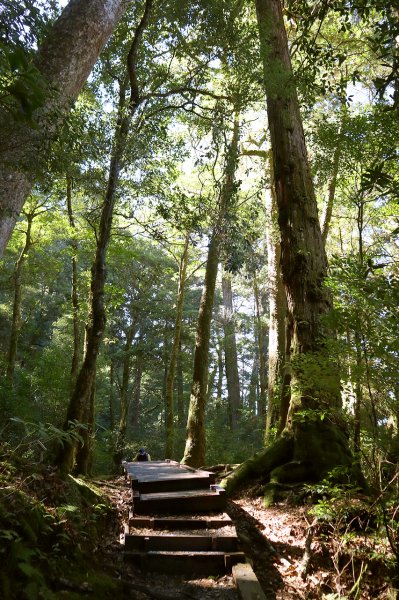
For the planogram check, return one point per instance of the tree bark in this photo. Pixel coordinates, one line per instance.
(84, 454)
(277, 314)
(111, 399)
(230, 352)
(180, 388)
(74, 290)
(136, 395)
(64, 62)
(261, 355)
(169, 404)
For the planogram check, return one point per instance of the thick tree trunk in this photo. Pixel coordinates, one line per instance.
(64, 62)
(74, 290)
(230, 352)
(277, 314)
(319, 442)
(170, 379)
(16, 310)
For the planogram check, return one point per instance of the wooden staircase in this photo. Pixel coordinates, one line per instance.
(177, 523)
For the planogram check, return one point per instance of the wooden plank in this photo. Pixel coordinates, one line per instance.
(247, 582)
(196, 563)
(181, 542)
(181, 522)
(171, 484)
(178, 502)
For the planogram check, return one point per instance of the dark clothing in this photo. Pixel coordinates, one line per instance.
(141, 457)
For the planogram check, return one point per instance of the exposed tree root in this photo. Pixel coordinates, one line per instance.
(306, 454)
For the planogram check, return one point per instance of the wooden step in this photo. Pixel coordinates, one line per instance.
(152, 477)
(170, 482)
(213, 499)
(181, 542)
(186, 522)
(196, 563)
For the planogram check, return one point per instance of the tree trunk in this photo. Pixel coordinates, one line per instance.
(318, 442)
(261, 355)
(124, 391)
(277, 314)
(16, 311)
(74, 291)
(252, 397)
(84, 456)
(230, 352)
(328, 210)
(64, 62)
(180, 388)
(136, 394)
(111, 399)
(169, 407)
(81, 394)
(194, 453)
(220, 370)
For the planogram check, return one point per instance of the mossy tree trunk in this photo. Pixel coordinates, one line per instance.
(170, 378)
(194, 453)
(277, 315)
(314, 439)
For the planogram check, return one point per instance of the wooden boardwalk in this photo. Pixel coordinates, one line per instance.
(178, 524)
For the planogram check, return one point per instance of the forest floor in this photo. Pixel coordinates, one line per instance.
(292, 558)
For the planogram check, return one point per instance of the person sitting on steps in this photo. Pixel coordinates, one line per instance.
(142, 455)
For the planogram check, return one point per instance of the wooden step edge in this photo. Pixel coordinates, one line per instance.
(247, 583)
(177, 543)
(185, 562)
(179, 522)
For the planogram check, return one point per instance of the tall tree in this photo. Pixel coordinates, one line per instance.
(230, 351)
(170, 378)
(194, 453)
(84, 384)
(313, 426)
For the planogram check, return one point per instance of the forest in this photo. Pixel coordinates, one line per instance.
(199, 240)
